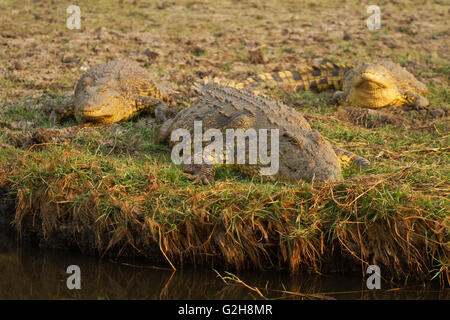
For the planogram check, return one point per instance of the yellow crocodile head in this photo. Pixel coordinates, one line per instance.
(97, 101)
(373, 86)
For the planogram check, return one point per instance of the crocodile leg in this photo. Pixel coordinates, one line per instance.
(200, 173)
(416, 100)
(153, 105)
(204, 173)
(164, 131)
(161, 112)
(347, 158)
(66, 110)
(338, 97)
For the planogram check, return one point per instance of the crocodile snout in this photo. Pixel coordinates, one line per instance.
(327, 174)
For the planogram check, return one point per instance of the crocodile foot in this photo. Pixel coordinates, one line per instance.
(200, 173)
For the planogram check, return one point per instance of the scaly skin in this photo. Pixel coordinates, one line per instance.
(317, 78)
(114, 91)
(119, 90)
(378, 85)
(303, 153)
(370, 85)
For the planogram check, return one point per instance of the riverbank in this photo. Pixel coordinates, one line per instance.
(67, 199)
(36, 273)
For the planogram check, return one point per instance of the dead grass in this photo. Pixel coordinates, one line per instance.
(368, 219)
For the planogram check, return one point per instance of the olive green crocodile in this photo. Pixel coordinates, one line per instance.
(113, 91)
(303, 153)
(367, 85)
(119, 90)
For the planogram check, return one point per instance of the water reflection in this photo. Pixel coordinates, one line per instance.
(34, 273)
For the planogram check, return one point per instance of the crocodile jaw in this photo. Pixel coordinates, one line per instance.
(374, 89)
(106, 112)
(93, 113)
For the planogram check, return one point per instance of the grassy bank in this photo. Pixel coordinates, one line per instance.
(111, 204)
(113, 190)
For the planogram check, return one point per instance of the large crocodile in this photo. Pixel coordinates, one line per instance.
(303, 153)
(368, 85)
(114, 91)
(119, 90)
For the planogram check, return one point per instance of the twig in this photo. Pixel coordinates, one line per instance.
(239, 281)
(160, 247)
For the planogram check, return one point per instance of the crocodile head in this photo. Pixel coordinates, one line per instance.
(306, 155)
(373, 86)
(96, 100)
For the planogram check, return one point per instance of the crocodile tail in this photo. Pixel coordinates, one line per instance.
(348, 158)
(316, 77)
(223, 82)
(227, 83)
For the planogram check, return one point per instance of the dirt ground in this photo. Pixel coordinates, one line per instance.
(182, 41)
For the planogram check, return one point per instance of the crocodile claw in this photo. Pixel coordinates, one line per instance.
(200, 173)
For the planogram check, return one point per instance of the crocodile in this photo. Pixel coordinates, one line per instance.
(114, 91)
(120, 89)
(303, 153)
(366, 85)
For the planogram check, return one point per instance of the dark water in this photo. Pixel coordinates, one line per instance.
(33, 273)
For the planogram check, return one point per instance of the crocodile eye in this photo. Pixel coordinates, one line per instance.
(293, 139)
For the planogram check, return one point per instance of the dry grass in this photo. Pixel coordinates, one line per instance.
(365, 220)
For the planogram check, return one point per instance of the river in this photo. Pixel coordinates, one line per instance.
(27, 272)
